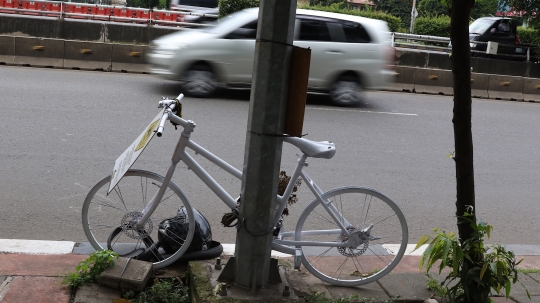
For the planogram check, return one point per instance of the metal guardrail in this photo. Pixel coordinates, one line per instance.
(410, 41)
(71, 10)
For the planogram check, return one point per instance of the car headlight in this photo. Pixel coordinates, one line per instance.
(166, 50)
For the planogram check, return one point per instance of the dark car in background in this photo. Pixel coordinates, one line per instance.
(495, 29)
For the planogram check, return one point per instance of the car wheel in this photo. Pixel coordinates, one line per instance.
(346, 91)
(199, 81)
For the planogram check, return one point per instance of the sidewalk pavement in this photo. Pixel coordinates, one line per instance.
(37, 278)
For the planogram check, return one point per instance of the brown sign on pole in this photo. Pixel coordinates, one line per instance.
(297, 94)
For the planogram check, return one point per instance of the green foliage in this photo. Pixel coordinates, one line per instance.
(145, 3)
(530, 9)
(529, 35)
(399, 8)
(483, 8)
(475, 268)
(327, 2)
(90, 269)
(394, 23)
(164, 4)
(433, 285)
(317, 297)
(227, 7)
(162, 291)
(436, 26)
(433, 8)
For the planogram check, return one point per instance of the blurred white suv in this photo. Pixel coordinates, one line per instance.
(348, 54)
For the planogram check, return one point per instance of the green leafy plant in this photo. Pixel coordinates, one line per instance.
(170, 290)
(433, 26)
(227, 7)
(497, 268)
(89, 269)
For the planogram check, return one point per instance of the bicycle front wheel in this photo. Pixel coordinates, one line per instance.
(375, 241)
(108, 219)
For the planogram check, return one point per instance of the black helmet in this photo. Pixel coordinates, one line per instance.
(173, 231)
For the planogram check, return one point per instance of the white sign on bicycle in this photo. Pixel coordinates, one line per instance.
(130, 155)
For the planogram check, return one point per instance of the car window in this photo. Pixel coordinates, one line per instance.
(355, 32)
(480, 26)
(314, 30)
(245, 32)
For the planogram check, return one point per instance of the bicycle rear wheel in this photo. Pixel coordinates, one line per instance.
(107, 218)
(378, 236)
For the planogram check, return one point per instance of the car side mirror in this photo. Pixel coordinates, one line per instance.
(493, 31)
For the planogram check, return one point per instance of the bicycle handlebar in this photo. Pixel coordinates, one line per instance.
(169, 115)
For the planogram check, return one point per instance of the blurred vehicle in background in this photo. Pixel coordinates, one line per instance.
(348, 54)
(209, 8)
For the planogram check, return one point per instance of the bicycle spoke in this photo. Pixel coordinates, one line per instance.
(114, 223)
(119, 193)
(357, 209)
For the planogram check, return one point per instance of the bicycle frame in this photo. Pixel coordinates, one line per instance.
(180, 154)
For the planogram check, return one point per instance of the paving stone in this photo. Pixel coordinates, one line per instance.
(368, 291)
(4, 286)
(304, 282)
(204, 284)
(529, 283)
(36, 289)
(406, 286)
(135, 276)
(38, 265)
(93, 293)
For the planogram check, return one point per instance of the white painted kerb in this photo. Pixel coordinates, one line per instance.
(36, 247)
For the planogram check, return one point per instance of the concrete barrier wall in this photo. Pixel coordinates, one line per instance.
(84, 30)
(72, 54)
(479, 85)
(531, 89)
(505, 87)
(128, 58)
(39, 52)
(7, 49)
(478, 65)
(432, 81)
(88, 55)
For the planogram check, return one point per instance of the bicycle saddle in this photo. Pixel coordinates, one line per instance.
(323, 149)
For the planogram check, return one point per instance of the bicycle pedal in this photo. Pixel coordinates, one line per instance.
(297, 258)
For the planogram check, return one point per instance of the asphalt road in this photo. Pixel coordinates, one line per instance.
(63, 129)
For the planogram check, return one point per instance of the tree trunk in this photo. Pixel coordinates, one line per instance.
(461, 69)
(463, 156)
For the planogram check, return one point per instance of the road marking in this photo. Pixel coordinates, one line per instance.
(360, 111)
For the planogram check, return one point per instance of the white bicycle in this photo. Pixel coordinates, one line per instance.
(347, 236)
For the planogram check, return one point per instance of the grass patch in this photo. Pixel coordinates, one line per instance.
(167, 290)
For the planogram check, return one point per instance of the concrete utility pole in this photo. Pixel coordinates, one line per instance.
(263, 149)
